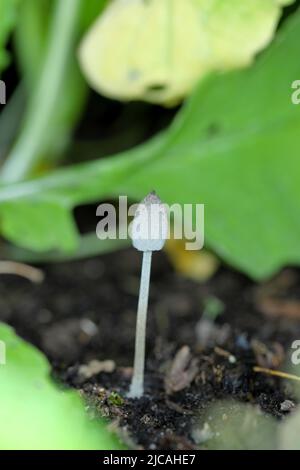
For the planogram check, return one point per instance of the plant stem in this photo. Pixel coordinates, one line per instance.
(10, 119)
(89, 246)
(28, 147)
(137, 384)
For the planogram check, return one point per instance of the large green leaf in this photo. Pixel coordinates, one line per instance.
(234, 147)
(37, 414)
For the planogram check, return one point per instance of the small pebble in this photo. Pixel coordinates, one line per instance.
(88, 327)
(287, 405)
(202, 435)
(242, 342)
(44, 316)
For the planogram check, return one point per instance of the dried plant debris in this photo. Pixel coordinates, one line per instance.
(223, 353)
(96, 367)
(182, 372)
(209, 333)
(269, 356)
(24, 270)
(274, 298)
(274, 307)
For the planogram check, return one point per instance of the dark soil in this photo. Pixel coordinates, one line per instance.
(87, 310)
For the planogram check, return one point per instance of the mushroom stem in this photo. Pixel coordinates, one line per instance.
(137, 384)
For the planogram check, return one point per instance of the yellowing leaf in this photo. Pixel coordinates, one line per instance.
(196, 265)
(157, 50)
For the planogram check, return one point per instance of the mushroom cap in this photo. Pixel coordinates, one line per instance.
(149, 228)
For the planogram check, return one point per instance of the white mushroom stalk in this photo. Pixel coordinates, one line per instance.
(149, 231)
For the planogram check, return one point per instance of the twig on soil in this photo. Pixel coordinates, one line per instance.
(179, 409)
(19, 269)
(277, 373)
(222, 352)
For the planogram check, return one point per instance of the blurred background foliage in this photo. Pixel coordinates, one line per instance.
(226, 138)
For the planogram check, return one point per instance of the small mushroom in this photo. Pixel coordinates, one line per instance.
(149, 231)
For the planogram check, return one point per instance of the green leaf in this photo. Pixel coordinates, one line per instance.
(289, 433)
(233, 147)
(162, 61)
(8, 17)
(37, 414)
(42, 215)
(24, 216)
(246, 427)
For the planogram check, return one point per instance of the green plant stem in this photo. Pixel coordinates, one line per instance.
(10, 119)
(27, 150)
(137, 384)
(89, 246)
(30, 39)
